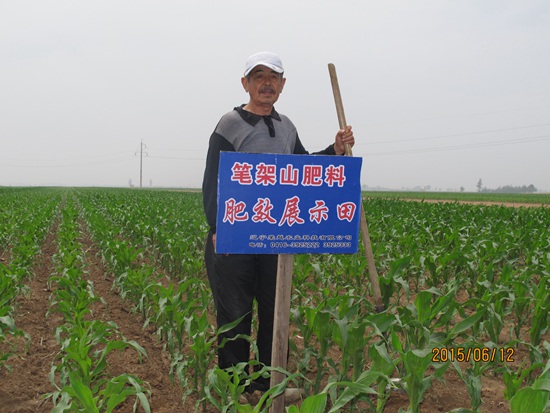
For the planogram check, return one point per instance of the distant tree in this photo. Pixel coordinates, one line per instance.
(509, 189)
(479, 185)
(461, 189)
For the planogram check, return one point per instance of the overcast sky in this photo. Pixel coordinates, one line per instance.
(439, 93)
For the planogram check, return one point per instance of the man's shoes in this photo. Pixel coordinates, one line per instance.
(261, 385)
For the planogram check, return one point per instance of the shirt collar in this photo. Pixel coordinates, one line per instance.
(252, 118)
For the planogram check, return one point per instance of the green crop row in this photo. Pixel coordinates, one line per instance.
(80, 376)
(25, 218)
(177, 309)
(169, 225)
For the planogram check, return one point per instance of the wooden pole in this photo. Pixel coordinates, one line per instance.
(281, 326)
(363, 219)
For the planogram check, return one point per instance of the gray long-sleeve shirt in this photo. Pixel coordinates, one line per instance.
(243, 131)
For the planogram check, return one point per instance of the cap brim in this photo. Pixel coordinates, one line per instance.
(271, 66)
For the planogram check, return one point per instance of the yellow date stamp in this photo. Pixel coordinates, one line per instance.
(475, 354)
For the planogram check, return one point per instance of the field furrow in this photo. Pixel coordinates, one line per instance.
(22, 388)
(165, 396)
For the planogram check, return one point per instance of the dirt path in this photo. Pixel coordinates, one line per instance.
(165, 397)
(22, 390)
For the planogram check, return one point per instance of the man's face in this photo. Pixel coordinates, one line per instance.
(263, 85)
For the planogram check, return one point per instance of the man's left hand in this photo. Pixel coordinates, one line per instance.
(344, 136)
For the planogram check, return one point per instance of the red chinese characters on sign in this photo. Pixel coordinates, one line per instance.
(346, 211)
(291, 212)
(262, 211)
(312, 175)
(289, 175)
(241, 173)
(319, 212)
(335, 175)
(265, 174)
(234, 211)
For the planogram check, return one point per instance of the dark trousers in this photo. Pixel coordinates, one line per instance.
(236, 280)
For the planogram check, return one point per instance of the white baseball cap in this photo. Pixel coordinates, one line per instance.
(267, 59)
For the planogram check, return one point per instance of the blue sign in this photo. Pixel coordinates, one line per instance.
(288, 204)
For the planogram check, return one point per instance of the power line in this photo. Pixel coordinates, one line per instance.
(57, 165)
(465, 146)
(176, 149)
(68, 159)
(454, 135)
(463, 115)
(114, 157)
(178, 157)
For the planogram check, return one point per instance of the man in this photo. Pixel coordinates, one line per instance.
(237, 279)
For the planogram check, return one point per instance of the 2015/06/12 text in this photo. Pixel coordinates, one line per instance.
(476, 354)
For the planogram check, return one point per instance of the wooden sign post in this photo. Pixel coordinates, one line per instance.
(281, 326)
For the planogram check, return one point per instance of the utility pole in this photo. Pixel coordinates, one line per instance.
(141, 146)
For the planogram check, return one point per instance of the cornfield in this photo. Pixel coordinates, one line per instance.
(466, 292)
